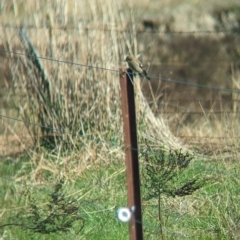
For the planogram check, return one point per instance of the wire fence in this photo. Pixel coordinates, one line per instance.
(105, 28)
(168, 80)
(112, 211)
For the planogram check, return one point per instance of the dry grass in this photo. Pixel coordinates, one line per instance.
(83, 100)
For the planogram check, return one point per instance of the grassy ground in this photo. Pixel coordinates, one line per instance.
(84, 103)
(210, 213)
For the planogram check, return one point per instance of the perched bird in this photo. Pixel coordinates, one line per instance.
(136, 66)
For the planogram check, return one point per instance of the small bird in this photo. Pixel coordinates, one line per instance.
(136, 66)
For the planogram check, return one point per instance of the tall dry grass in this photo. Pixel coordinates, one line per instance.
(82, 102)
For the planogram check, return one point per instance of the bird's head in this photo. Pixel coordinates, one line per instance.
(129, 58)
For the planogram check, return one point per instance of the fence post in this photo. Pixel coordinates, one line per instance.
(131, 154)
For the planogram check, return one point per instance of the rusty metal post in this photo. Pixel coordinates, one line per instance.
(131, 155)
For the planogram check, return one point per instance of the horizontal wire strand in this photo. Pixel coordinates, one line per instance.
(107, 29)
(114, 70)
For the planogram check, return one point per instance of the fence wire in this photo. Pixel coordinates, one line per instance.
(168, 80)
(114, 29)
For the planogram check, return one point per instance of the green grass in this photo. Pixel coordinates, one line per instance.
(210, 213)
(94, 191)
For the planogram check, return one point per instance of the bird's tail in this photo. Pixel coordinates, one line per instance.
(145, 75)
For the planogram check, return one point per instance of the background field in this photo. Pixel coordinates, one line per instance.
(191, 51)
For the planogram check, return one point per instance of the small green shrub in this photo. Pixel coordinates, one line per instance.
(163, 172)
(57, 215)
